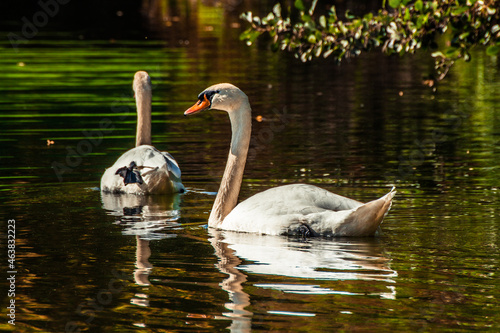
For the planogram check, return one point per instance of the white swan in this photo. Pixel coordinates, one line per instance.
(143, 169)
(285, 210)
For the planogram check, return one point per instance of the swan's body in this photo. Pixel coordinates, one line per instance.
(143, 169)
(285, 210)
(293, 209)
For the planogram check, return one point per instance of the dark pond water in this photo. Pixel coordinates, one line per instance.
(149, 264)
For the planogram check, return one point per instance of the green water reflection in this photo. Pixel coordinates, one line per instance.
(356, 129)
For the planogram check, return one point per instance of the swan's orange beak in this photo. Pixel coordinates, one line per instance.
(199, 106)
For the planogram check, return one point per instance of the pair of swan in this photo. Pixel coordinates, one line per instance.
(285, 210)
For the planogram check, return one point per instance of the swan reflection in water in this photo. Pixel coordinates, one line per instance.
(313, 260)
(144, 217)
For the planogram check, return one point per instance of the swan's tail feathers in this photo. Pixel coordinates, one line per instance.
(393, 192)
(130, 174)
(365, 219)
(389, 197)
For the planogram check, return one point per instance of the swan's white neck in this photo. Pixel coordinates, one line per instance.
(143, 101)
(227, 196)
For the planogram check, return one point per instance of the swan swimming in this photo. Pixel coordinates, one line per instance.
(143, 169)
(285, 210)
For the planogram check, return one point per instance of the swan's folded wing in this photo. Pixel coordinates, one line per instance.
(129, 176)
(173, 167)
(284, 209)
(306, 195)
(154, 172)
(162, 160)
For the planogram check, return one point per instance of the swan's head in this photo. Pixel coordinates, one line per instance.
(222, 96)
(142, 83)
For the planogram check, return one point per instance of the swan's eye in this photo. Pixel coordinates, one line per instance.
(210, 94)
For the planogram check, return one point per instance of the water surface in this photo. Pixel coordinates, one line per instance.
(149, 264)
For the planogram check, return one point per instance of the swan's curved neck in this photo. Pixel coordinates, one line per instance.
(227, 196)
(143, 101)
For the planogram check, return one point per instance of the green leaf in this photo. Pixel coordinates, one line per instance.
(245, 34)
(327, 53)
(464, 35)
(451, 52)
(459, 10)
(420, 22)
(493, 50)
(299, 4)
(407, 16)
(310, 25)
(313, 6)
(254, 36)
(318, 50)
(270, 17)
(491, 11)
(247, 17)
(437, 54)
(348, 15)
(419, 5)
(311, 39)
(277, 10)
(306, 18)
(322, 21)
(333, 14)
(342, 28)
(394, 3)
(250, 36)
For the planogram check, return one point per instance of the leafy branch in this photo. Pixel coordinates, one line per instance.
(403, 28)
